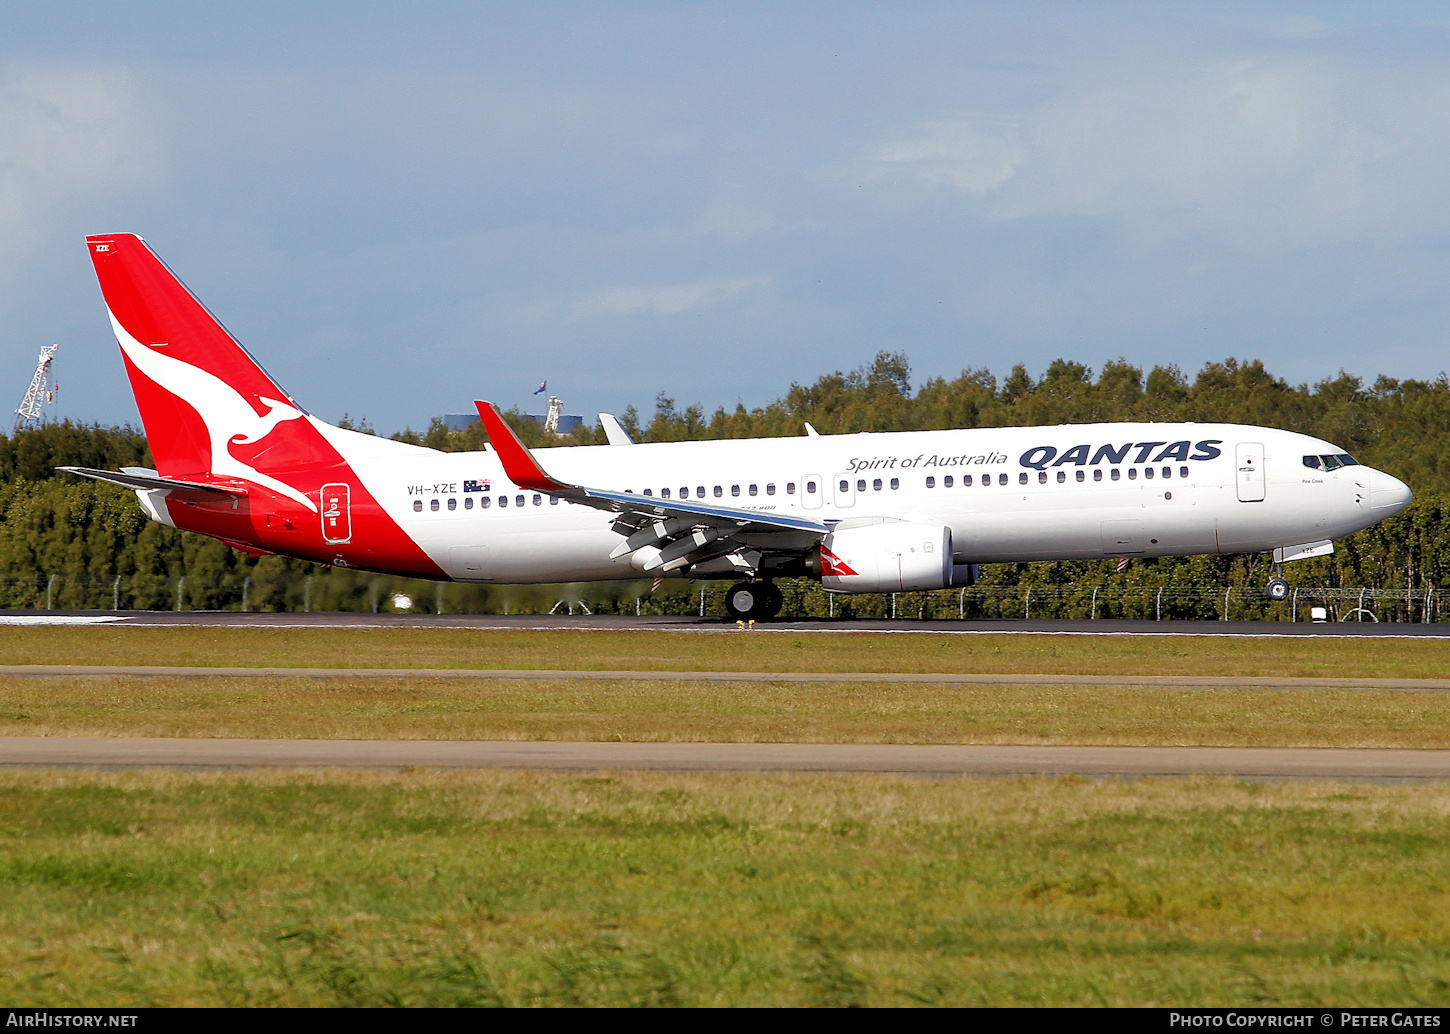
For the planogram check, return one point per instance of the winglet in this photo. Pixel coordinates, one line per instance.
(615, 433)
(518, 463)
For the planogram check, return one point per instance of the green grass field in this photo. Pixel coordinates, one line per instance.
(421, 888)
(825, 712)
(762, 651)
(512, 888)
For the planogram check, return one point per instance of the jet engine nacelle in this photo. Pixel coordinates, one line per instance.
(886, 556)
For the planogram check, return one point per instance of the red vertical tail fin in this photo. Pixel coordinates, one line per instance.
(196, 387)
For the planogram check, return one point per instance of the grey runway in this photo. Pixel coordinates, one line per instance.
(913, 759)
(720, 626)
(565, 675)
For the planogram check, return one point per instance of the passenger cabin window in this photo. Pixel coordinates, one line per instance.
(685, 491)
(503, 500)
(895, 484)
(966, 481)
(876, 484)
(538, 500)
(649, 491)
(1042, 477)
(931, 482)
(699, 492)
(664, 493)
(483, 502)
(433, 504)
(1116, 474)
(811, 487)
(720, 491)
(1168, 472)
(553, 500)
(770, 489)
(468, 502)
(518, 500)
(946, 482)
(861, 485)
(845, 487)
(1148, 472)
(1022, 478)
(453, 504)
(752, 490)
(1061, 476)
(1098, 474)
(734, 490)
(1132, 473)
(1002, 479)
(1183, 472)
(790, 488)
(1081, 476)
(417, 505)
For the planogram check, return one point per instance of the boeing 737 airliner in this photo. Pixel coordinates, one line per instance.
(238, 459)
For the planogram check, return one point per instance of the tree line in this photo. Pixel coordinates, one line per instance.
(85, 543)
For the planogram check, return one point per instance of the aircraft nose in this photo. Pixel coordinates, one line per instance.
(1388, 493)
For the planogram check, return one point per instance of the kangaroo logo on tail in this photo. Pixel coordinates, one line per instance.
(229, 418)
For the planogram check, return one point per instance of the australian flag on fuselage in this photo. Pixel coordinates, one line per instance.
(475, 486)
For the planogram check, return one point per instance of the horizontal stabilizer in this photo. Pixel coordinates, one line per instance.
(153, 481)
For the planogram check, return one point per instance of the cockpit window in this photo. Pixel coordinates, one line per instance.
(1331, 462)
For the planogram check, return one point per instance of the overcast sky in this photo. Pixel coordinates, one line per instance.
(400, 208)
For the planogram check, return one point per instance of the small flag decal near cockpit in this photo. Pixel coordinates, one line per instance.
(475, 486)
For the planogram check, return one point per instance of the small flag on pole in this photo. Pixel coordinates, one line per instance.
(543, 387)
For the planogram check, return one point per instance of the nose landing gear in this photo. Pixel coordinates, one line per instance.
(753, 601)
(1278, 589)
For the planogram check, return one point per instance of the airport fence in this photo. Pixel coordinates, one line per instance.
(341, 590)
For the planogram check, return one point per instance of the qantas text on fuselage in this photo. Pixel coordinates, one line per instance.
(237, 458)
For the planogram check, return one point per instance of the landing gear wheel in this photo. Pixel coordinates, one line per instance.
(753, 601)
(774, 600)
(745, 601)
(1278, 589)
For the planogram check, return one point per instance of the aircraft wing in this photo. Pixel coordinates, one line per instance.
(132, 477)
(684, 532)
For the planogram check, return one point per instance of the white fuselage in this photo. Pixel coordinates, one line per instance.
(1069, 492)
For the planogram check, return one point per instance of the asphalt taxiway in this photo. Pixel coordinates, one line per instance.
(913, 759)
(675, 623)
(572, 675)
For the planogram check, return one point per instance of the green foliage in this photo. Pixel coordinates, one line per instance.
(95, 542)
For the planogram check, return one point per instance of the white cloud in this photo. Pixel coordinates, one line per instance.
(66, 136)
(1293, 148)
(970, 155)
(645, 300)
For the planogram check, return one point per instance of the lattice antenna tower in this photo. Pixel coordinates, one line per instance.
(551, 422)
(37, 396)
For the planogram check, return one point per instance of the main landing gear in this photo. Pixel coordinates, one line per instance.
(753, 601)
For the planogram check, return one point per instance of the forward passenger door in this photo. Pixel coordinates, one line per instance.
(1249, 472)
